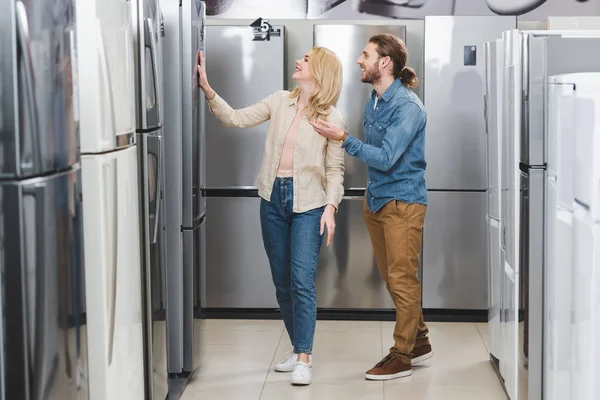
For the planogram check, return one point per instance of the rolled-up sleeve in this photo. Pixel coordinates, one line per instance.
(242, 118)
(334, 165)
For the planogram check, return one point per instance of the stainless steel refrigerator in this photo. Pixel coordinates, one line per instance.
(494, 55)
(147, 30)
(44, 348)
(347, 267)
(185, 179)
(530, 58)
(238, 276)
(454, 258)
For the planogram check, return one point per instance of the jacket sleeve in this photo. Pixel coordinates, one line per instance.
(334, 164)
(404, 125)
(242, 118)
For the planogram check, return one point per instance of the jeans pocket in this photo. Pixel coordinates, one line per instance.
(403, 209)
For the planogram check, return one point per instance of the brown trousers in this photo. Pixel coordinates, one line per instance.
(396, 233)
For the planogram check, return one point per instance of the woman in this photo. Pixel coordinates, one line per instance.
(300, 183)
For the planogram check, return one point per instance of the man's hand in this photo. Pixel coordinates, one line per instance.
(328, 221)
(328, 130)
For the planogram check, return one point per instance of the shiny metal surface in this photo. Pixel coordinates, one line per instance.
(38, 120)
(454, 251)
(240, 278)
(492, 119)
(173, 183)
(42, 258)
(495, 274)
(235, 154)
(455, 148)
(348, 41)
(347, 275)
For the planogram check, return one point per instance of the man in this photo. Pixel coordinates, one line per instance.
(396, 196)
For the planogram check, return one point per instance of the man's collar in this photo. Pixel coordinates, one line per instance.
(390, 91)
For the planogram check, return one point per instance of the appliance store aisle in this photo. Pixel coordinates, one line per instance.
(239, 355)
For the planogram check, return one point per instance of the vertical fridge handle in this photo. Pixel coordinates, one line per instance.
(106, 79)
(112, 281)
(155, 147)
(149, 35)
(23, 41)
(39, 342)
(485, 113)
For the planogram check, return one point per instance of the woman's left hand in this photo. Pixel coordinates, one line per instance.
(328, 221)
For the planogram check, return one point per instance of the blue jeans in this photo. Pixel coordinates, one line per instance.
(293, 242)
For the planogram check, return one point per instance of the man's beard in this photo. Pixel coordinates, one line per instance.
(372, 75)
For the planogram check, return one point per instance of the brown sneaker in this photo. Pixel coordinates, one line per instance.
(391, 367)
(421, 353)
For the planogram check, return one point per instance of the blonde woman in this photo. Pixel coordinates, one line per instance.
(300, 183)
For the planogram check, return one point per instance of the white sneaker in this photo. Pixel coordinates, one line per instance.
(289, 362)
(301, 375)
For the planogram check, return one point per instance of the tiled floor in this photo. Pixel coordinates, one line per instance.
(238, 359)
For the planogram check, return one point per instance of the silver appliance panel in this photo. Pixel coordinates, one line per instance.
(493, 135)
(147, 30)
(44, 331)
(237, 276)
(455, 251)
(454, 86)
(348, 41)
(495, 274)
(39, 118)
(235, 154)
(347, 274)
(172, 76)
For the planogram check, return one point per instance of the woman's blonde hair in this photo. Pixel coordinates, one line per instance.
(326, 68)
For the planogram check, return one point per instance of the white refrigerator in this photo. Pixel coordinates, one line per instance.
(585, 366)
(110, 199)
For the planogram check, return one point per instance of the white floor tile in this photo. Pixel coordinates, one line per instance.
(443, 392)
(323, 391)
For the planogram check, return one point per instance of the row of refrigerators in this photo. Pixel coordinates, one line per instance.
(543, 119)
(82, 210)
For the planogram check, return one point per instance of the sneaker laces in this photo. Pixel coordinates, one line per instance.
(301, 370)
(385, 360)
(288, 357)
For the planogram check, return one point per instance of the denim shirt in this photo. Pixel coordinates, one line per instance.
(394, 150)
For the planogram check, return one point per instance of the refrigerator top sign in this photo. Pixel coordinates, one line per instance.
(263, 30)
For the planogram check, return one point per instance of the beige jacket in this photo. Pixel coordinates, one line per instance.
(318, 162)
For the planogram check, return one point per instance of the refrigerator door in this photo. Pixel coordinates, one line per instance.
(347, 274)
(148, 66)
(45, 338)
(235, 154)
(454, 82)
(492, 115)
(242, 277)
(348, 41)
(587, 143)
(495, 274)
(546, 54)
(39, 89)
(106, 74)
(586, 297)
(454, 252)
(113, 281)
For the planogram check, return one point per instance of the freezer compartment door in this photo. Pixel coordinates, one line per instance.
(509, 362)
(237, 276)
(558, 255)
(492, 117)
(454, 255)
(45, 336)
(347, 267)
(39, 119)
(113, 266)
(149, 65)
(347, 41)
(454, 80)
(586, 297)
(495, 274)
(235, 154)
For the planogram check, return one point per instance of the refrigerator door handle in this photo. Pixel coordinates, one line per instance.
(155, 147)
(23, 38)
(107, 83)
(39, 337)
(152, 114)
(112, 279)
(485, 113)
